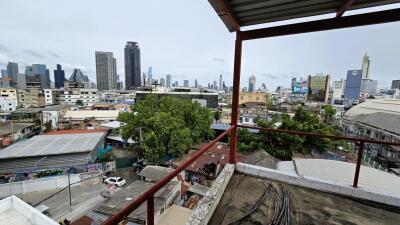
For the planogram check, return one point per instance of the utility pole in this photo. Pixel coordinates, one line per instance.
(69, 190)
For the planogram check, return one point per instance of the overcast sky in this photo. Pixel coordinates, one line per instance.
(184, 38)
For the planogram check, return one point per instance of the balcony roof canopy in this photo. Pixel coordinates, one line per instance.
(239, 13)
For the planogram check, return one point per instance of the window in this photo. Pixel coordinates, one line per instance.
(246, 119)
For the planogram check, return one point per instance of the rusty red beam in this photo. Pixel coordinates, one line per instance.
(235, 96)
(386, 16)
(346, 5)
(358, 165)
(301, 133)
(149, 193)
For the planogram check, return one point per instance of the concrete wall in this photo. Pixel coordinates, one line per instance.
(205, 208)
(319, 184)
(42, 184)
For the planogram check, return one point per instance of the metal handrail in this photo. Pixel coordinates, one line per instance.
(149, 194)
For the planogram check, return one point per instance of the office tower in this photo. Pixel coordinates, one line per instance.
(352, 87)
(169, 80)
(59, 77)
(365, 66)
(220, 82)
(21, 81)
(395, 84)
(369, 86)
(12, 70)
(318, 88)
(215, 87)
(40, 71)
(252, 83)
(4, 73)
(196, 85)
(29, 71)
(132, 66)
(106, 73)
(175, 84)
(162, 82)
(186, 83)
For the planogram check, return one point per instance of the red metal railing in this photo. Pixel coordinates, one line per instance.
(357, 140)
(149, 194)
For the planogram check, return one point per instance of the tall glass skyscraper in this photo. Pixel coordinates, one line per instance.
(12, 70)
(132, 66)
(59, 77)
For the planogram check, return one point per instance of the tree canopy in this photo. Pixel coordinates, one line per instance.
(166, 126)
(282, 145)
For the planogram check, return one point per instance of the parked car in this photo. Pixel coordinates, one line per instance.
(115, 181)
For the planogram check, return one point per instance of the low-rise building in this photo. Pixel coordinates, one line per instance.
(87, 96)
(88, 119)
(53, 114)
(15, 211)
(11, 132)
(56, 150)
(205, 98)
(52, 96)
(31, 98)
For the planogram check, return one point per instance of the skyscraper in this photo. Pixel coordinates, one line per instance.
(21, 81)
(59, 77)
(132, 66)
(365, 66)
(220, 82)
(215, 87)
(106, 72)
(40, 70)
(12, 70)
(196, 85)
(29, 71)
(150, 75)
(352, 87)
(318, 88)
(252, 83)
(186, 83)
(3, 73)
(169, 81)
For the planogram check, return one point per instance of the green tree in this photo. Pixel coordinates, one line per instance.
(79, 102)
(328, 112)
(166, 126)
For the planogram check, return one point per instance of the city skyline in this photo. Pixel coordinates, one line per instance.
(272, 61)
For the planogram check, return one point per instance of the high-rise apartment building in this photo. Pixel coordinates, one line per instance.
(12, 70)
(365, 66)
(132, 66)
(252, 83)
(318, 88)
(353, 86)
(395, 84)
(169, 80)
(106, 70)
(59, 77)
(186, 83)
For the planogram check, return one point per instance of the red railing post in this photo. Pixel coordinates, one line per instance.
(150, 210)
(235, 96)
(358, 165)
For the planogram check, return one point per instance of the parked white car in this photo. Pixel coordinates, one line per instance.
(115, 181)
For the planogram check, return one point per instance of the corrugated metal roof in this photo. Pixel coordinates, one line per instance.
(254, 12)
(44, 145)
